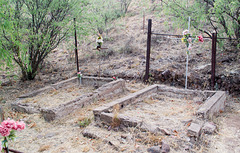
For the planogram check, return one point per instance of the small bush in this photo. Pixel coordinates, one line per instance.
(85, 122)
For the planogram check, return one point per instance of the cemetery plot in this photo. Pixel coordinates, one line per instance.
(63, 98)
(163, 109)
(55, 97)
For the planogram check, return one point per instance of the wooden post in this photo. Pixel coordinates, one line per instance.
(214, 49)
(148, 50)
(76, 51)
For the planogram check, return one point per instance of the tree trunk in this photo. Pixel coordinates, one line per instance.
(28, 75)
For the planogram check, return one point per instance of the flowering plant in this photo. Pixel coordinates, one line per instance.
(79, 75)
(114, 78)
(99, 41)
(8, 130)
(188, 40)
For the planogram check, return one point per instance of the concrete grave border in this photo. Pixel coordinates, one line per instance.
(107, 88)
(214, 103)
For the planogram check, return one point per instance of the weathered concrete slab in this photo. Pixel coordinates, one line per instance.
(23, 107)
(127, 121)
(124, 120)
(209, 128)
(213, 105)
(122, 102)
(95, 81)
(194, 130)
(94, 133)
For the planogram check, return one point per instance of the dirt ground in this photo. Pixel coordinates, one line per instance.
(125, 58)
(65, 134)
(54, 98)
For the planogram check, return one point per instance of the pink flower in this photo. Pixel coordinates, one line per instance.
(0, 146)
(189, 40)
(185, 32)
(114, 78)
(10, 124)
(4, 131)
(200, 38)
(20, 125)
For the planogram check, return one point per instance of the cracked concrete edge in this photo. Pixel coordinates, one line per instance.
(95, 135)
(126, 121)
(122, 102)
(35, 92)
(205, 93)
(25, 108)
(212, 106)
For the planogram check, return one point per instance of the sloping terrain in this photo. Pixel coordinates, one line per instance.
(125, 58)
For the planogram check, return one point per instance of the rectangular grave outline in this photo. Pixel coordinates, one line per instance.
(107, 88)
(214, 103)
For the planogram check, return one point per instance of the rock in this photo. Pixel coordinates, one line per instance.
(209, 128)
(165, 147)
(193, 140)
(187, 148)
(149, 128)
(226, 59)
(141, 57)
(89, 134)
(154, 149)
(194, 130)
(165, 131)
(127, 137)
(7, 83)
(186, 122)
(198, 100)
(49, 135)
(165, 75)
(39, 136)
(124, 136)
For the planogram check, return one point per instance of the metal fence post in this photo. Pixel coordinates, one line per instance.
(148, 50)
(76, 51)
(214, 49)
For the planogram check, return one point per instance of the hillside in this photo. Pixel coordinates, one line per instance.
(125, 57)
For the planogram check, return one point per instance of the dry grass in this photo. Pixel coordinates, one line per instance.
(44, 148)
(150, 100)
(85, 149)
(116, 121)
(153, 139)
